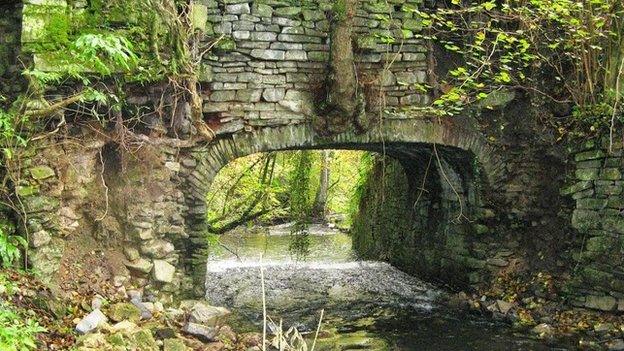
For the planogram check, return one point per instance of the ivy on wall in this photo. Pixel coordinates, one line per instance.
(558, 51)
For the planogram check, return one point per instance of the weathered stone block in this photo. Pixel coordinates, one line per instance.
(223, 95)
(157, 248)
(163, 271)
(613, 224)
(611, 174)
(199, 16)
(589, 164)
(379, 7)
(602, 303)
(313, 15)
(587, 173)
(263, 36)
(289, 11)
(261, 10)
(286, 22)
(249, 95)
(321, 56)
(273, 94)
(268, 54)
(414, 24)
(140, 266)
(599, 244)
(585, 219)
(297, 38)
(238, 9)
(589, 155)
(366, 42)
(591, 203)
(224, 28)
(296, 55)
(241, 34)
(39, 238)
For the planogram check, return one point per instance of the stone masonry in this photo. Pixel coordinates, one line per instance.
(262, 83)
(271, 59)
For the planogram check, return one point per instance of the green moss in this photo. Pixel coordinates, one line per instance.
(225, 44)
(340, 10)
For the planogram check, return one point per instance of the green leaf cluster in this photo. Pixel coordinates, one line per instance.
(16, 332)
(10, 246)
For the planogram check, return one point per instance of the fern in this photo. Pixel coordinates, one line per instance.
(105, 53)
(10, 248)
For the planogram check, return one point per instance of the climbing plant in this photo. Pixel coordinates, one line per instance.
(300, 204)
(560, 51)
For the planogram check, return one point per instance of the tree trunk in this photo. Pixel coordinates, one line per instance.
(320, 201)
(342, 99)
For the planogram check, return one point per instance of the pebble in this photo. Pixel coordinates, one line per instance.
(96, 302)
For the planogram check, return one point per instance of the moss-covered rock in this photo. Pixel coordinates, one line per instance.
(124, 311)
(174, 345)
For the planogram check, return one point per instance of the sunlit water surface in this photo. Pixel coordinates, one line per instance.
(367, 305)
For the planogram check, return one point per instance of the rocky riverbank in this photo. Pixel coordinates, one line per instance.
(126, 320)
(537, 305)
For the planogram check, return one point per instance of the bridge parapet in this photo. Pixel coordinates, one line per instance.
(271, 62)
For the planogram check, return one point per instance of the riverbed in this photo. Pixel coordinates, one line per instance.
(366, 305)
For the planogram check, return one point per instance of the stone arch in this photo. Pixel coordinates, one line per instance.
(404, 139)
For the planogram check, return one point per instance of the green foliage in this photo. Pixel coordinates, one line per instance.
(16, 332)
(105, 52)
(286, 193)
(300, 204)
(364, 169)
(10, 246)
(557, 50)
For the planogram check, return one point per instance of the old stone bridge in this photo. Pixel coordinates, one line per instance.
(140, 203)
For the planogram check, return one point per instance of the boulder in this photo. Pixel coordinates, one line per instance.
(91, 322)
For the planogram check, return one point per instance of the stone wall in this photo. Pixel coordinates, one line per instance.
(262, 85)
(10, 27)
(406, 139)
(271, 61)
(596, 188)
(429, 220)
(100, 201)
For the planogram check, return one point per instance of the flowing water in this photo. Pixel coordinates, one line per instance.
(367, 305)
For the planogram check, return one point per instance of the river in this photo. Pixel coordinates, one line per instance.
(367, 305)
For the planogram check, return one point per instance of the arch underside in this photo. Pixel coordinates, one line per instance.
(413, 142)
